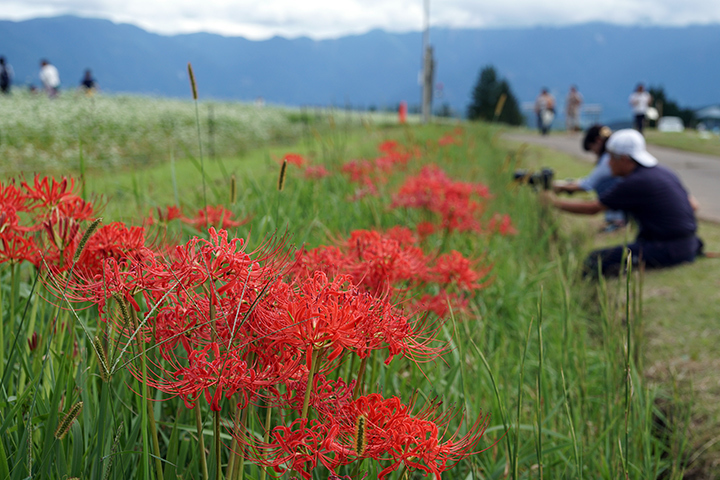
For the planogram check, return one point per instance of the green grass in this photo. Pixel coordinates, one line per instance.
(681, 308)
(689, 140)
(536, 348)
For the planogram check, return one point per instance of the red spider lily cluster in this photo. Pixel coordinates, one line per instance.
(222, 328)
(40, 220)
(393, 262)
(210, 216)
(371, 426)
(237, 328)
(452, 138)
(370, 174)
(458, 205)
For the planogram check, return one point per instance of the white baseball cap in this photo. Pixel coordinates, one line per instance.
(630, 142)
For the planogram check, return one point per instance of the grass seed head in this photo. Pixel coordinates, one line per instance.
(361, 435)
(64, 425)
(281, 179)
(88, 233)
(102, 359)
(193, 85)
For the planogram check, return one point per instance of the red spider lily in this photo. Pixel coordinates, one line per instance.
(441, 303)
(371, 173)
(168, 214)
(33, 342)
(392, 263)
(116, 241)
(294, 159)
(335, 392)
(425, 229)
(455, 202)
(211, 372)
(379, 262)
(218, 216)
(322, 316)
(300, 447)
(449, 139)
(388, 146)
(392, 433)
(12, 201)
(316, 172)
(49, 193)
(15, 248)
(454, 269)
(502, 224)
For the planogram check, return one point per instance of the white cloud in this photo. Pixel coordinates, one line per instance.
(332, 18)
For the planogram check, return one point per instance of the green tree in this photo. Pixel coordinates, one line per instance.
(670, 108)
(485, 97)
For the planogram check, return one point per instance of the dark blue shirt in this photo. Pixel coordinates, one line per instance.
(657, 200)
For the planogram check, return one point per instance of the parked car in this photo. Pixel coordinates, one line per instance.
(670, 124)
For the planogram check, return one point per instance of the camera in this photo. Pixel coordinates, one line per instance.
(542, 179)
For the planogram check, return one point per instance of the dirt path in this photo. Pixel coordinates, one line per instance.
(700, 173)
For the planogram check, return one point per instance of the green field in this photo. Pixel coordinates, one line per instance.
(561, 366)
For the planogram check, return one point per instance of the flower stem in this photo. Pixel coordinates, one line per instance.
(154, 437)
(201, 442)
(360, 377)
(216, 438)
(309, 387)
(268, 419)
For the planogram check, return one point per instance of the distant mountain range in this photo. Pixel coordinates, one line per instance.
(377, 68)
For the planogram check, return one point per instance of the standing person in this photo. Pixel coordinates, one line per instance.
(600, 179)
(572, 109)
(50, 78)
(88, 83)
(6, 76)
(655, 198)
(640, 101)
(545, 111)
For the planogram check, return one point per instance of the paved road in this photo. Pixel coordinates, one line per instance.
(700, 173)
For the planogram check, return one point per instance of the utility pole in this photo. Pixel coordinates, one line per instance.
(428, 72)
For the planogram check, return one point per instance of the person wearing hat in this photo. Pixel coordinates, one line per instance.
(654, 196)
(600, 178)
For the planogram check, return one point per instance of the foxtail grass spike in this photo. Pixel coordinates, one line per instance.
(64, 425)
(281, 179)
(113, 451)
(83, 241)
(123, 309)
(193, 85)
(361, 435)
(102, 359)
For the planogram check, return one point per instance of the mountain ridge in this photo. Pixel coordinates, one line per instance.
(377, 68)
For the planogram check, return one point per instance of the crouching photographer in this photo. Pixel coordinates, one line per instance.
(600, 179)
(654, 196)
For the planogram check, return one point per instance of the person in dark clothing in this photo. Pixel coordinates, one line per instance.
(654, 196)
(88, 83)
(6, 76)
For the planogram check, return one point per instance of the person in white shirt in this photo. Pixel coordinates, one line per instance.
(50, 78)
(545, 111)
(640, 101)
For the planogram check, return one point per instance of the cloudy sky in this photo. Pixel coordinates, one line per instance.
(260, 19)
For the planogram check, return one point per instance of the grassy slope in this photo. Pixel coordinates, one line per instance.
(582, 378)
(681, 311)
(689, 140)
